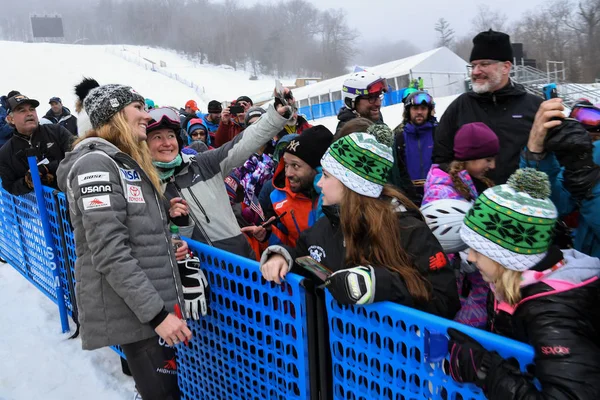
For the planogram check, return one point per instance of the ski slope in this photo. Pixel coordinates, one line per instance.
(44, 70)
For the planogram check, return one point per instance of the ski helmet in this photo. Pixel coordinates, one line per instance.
(444, 218)
(407, 92)
(362, 83)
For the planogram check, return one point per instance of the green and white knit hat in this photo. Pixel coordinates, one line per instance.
(360, 162)
(513, 223)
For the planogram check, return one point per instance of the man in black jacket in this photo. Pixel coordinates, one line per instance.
(58, 114)
(51, 142)
(498, 102)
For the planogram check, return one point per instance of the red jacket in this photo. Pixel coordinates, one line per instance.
(226, 132)
(301, 210)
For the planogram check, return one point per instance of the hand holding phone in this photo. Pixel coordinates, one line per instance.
(273, 220)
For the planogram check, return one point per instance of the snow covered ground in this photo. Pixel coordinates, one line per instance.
(39, 362)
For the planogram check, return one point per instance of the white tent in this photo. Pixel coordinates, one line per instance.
(443, 73)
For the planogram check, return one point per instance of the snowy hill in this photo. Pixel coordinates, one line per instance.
(44, 70)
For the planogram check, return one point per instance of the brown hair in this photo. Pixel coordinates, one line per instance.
(371, 231)
(359, 124)
(118, 132)
(454, 171)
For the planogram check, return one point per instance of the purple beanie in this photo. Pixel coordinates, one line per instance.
(474, 141)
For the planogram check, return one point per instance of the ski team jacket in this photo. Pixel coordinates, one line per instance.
(559, 316)
(125, 271)
(301, 210)
(587, 237)
(509, 112)
(51, 141)
(324, 242)
(201, 183)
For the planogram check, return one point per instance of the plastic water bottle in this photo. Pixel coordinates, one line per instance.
(175, 237)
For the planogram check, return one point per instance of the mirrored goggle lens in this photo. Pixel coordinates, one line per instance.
(421, 98)
(377, 87)
(588, 116)
(163, 115)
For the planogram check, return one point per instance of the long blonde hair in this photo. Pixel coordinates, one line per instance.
(454, 170)
(372, 232)
(118, 132)
(508, 285)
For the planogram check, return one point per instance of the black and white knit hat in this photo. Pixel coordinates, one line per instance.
(103, 102)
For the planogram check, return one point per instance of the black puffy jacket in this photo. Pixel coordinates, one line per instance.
(509, 112)
(564, 329)
(347, 114)
(325, 243)
(51, 141)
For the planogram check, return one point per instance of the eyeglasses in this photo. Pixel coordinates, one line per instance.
(372, 99)
(587, 115)
(198, 132)
(163, 116)
(483, 64)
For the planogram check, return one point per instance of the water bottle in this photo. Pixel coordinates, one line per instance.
(175, 237)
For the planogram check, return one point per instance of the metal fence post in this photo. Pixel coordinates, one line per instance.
(50, 250)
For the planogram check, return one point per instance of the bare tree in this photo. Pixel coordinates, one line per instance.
(337, 41)
(486, 19)
(445, 32)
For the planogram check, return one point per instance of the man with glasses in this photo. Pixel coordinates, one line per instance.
(362, 93)
(495, 100)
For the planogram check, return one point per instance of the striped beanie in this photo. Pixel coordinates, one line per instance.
(360, 162)
(513, 223)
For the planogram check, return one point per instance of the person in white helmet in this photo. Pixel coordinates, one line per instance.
(362, 93)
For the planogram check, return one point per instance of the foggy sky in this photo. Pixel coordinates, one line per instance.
(414, 20)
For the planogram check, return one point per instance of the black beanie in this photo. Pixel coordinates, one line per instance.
(311, 145)
(492, 45)
(214, 107)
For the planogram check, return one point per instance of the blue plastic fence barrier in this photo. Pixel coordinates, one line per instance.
(253, 342)
(379, 352)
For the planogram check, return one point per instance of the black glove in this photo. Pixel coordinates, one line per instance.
(353, 285)
(573, 148)
(469, 361)
(195, 288)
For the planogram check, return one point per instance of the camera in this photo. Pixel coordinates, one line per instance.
(236, 109)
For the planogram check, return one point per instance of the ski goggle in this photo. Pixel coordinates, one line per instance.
(418, 99)
(587, 115)
(164, 116)
(377, 87)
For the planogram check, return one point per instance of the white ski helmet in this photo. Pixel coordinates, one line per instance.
(362, 83)
(444, 218)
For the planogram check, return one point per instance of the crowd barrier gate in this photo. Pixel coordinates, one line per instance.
(266, 341)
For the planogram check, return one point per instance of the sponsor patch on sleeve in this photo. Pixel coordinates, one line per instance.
(90, 177)
(95, 189)
(130, 175)
(134, 194)
(93, 202)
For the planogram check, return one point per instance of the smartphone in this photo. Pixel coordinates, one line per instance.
(279, 93)
(314, 267)
(550, 91)
(276, 220)
(236, 110)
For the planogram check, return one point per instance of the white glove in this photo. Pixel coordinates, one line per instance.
(195, 288)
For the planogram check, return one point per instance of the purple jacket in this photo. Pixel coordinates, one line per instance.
(439, 185)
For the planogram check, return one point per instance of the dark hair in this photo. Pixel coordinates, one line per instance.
(359, 124)
(372, 231)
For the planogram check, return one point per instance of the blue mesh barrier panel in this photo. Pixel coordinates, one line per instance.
(252, 344)
(55, 220)
(31, 232)
(378, 352)
(305, 111)
(10, 242)
(67, 261)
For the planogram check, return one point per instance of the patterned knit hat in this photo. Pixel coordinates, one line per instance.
(360, 162)
(103, 102)
(382, 133)
(513, 223)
